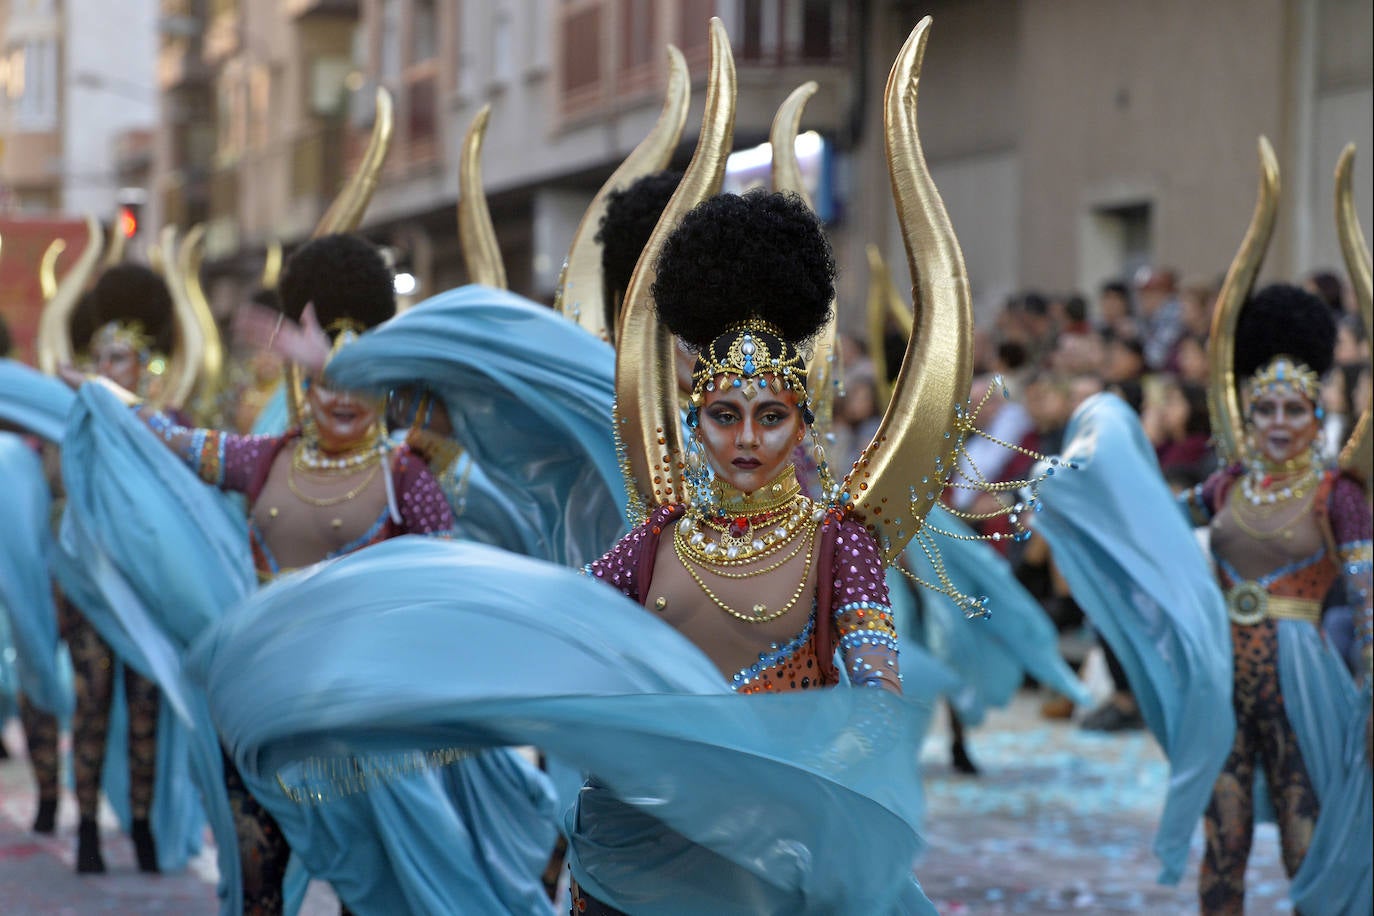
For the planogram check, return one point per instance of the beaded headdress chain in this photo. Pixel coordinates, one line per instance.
(754, 357)
(127, 333)
(1285, 372)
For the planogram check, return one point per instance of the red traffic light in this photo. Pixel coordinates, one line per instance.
(128, 222)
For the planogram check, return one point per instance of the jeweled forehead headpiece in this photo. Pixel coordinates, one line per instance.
(343, 331)
(754, 357)
(124, 333)
(1285, 372)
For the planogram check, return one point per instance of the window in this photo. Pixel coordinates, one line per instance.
(389, 55)
(637, 29)
(32, 84)
(424, 31)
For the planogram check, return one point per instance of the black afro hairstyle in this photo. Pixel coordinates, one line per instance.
(1284, 320)
(345, 276)
(734, 257)
(132, 292)
(631, 214)
(83, 324)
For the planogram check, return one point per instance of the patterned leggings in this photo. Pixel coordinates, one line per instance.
(263, 851)
(1263, 732)
(41, 734)
(93, 669)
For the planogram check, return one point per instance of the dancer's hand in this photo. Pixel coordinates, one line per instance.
(73, 376)
(305, 344)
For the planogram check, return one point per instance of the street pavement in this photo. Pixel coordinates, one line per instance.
(1059, 820)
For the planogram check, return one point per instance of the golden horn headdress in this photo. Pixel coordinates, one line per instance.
(1228, 430)
(476, 234)
(900, 473)
(346, 212)
(648, 427)
(188, 356)
(210, 374)
(1357, 455)
(823, 375)
(54, 342)
(271, 266)
(1223, 401)
(581, 290)
(47, 268)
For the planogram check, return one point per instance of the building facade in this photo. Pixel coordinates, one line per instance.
(74, 102)
(1072, 140)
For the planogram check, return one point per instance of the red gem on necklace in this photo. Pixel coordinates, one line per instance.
(739, 526)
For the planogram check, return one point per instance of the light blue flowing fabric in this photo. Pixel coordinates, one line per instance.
(26, 599)
(991, 655)
(9, 674)
(529, 394)
(1328, 715)
(132, 505)
(33, 401)
(703, 801)
(274, 418)
(152, 556)
(1137, 571)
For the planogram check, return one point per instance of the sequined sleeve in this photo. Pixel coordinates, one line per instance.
(424, 510)
(617, 566)
(1351, 526)
(863, 612)
(224, 460)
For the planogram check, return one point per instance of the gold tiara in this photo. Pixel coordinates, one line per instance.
(128, 333)
(743, 355)
(1284, 371)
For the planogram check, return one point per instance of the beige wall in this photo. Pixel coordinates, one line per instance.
(1157, 102)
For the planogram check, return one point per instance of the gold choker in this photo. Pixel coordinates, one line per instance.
(775, 494)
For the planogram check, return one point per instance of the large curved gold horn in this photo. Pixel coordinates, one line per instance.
(179, 381)
(190, 255)
(344, 215)
(913, 442)
(476, 234)
(114, 252)
(823, 374)
(271, 266)
(783, 138)
(581, 289)
(645, 377)
(47, 268)
(347, 210)
(1228, 429)
(1357, 454)
(54, 342)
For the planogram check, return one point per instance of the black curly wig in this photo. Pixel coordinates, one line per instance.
(759, 255)
(629, 220)
(345, 277)
(1284, 320)
(132, 292)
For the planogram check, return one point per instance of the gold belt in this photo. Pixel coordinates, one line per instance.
(1247, 603)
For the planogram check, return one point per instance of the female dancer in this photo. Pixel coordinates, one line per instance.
(328, 487)
(1285, 525)
(766, 582)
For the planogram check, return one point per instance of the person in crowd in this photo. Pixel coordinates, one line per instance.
(1161, 313)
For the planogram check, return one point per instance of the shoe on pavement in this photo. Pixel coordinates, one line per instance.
(1111, 717)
